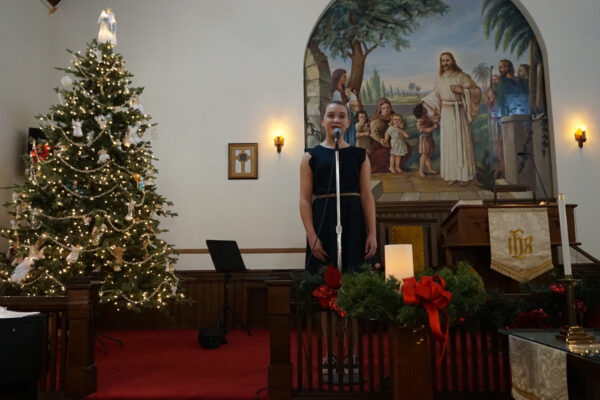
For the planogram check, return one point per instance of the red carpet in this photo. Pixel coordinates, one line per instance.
(170, 364)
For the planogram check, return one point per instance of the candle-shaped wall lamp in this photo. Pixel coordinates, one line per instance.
(580, 136)
(279, 140)
(399, 261)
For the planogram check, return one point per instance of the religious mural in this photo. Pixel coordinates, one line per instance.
(445, 95)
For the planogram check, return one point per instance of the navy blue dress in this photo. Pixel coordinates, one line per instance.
(322, 164)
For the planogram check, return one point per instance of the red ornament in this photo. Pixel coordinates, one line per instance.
(327, 293)
(42, 151)
(432, 294)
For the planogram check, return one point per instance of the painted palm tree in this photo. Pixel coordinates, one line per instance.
(510, 26)
(482, 74)
(512, 30)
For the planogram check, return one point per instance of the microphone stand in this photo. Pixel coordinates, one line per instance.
(338, 228)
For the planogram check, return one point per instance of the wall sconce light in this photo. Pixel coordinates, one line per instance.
(399, 261)
(580, 136)
(279, 141)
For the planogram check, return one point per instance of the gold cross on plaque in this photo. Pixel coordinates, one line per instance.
(243, 157)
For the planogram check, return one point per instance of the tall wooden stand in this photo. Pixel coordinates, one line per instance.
(412, 376)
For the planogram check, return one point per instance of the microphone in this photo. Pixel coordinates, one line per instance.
(337, 132)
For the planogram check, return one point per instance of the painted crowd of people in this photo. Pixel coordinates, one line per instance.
(508, 94)
(451, 107)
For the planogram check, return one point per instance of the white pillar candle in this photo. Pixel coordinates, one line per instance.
(399, 261)
(564, 234)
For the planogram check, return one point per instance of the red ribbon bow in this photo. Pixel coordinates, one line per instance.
(327, 293)
(432, 294)
(41, 151)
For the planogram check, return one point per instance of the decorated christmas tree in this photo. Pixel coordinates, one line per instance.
(89, 205)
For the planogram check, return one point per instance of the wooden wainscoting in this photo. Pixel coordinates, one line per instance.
(204, 291)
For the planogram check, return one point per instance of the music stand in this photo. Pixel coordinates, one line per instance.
(226, 258)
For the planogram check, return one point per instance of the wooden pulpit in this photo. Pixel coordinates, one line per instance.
(466, 236)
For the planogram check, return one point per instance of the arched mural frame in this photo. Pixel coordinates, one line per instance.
(318, 84)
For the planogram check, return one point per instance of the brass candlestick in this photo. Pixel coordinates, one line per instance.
(572, 333)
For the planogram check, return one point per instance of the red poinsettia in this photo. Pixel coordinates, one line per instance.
(327, 293)
(535, 319)
(558, 289)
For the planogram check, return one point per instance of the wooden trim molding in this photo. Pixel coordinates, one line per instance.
(267, 250)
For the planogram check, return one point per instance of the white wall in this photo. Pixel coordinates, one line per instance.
(226, 71)
(25, 39)
(572, 41)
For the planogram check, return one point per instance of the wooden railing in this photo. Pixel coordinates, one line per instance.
(69, 369)
(475, 364)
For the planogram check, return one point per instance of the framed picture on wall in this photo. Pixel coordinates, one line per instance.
(243, 160)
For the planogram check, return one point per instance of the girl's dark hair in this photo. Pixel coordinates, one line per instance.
(362, 112)
(339, 103)
(419, 110)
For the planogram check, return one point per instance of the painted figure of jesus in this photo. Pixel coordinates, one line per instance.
(456, 100)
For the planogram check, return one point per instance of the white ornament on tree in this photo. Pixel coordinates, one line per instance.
(90, 137)
(98, 54)
(74, 254)
(103, 157)
(35, 223)
(101, 120)
(135, 104)
(121, 109)
(130, 210)
(97, 233)
(67, 82)
(132, 138)
(77, 132)
(35, 253)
